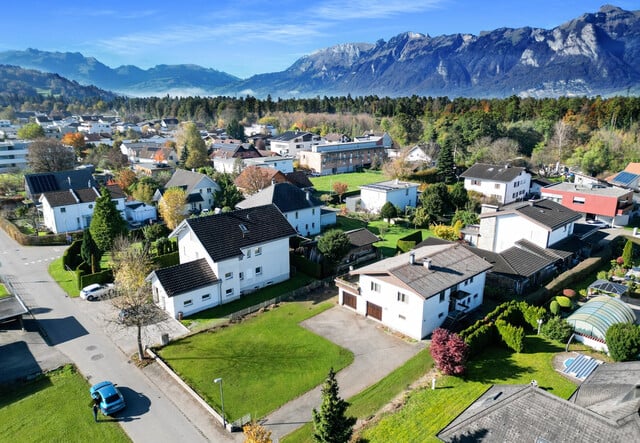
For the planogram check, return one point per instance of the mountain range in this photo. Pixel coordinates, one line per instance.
(594, 54)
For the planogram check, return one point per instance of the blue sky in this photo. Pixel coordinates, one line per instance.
(246, 37)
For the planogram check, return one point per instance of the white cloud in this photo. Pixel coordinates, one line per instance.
(338, 10)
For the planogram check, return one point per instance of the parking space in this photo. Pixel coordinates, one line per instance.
(105, 314)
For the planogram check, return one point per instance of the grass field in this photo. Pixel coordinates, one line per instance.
(353, 179)
(265, 361)
(210, 317)
(391, 235)
(428, 411)
(54, 408)
(66, 279)
(367, 402)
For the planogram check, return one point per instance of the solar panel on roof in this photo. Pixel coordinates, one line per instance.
(625, 178)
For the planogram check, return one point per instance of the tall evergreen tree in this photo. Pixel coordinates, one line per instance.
(90, 252)
(330, 423)
(627, 254)
(107, 222)
(446, 164)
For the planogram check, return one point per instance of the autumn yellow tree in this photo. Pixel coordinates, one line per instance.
(125, 178)
(172, 206)
(256, 433)
(76, 140)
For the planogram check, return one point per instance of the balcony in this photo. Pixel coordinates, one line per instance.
(349, 283)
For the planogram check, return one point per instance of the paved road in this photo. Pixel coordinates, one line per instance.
(376, 353)
(74, 329)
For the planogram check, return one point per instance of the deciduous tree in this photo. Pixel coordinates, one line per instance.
(125, 178)
(30, 131)
(172, 206)
(131, 264)
(331, 424)
(623, 341)
(107, 222)
(449, 352)
(76, 141)
(256, 433)
(49, 155)
(340, 188)
(333, 245)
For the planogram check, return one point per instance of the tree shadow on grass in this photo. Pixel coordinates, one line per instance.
(536, 344)
(494, 365)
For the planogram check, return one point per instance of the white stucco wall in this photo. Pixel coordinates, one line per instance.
(373, 200)
(187, 303)
(305, 221)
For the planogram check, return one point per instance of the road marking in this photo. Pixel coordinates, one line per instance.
(33, 262)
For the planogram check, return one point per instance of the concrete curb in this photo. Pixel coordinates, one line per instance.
(187, 388)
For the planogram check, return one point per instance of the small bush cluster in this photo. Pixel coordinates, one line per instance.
(557, 329)
(623, 341)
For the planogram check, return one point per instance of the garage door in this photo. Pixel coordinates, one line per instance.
(349, 300)
(374, 311)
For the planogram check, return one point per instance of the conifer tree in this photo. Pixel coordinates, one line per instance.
(107, 222)
(90, 252)
(330, 423)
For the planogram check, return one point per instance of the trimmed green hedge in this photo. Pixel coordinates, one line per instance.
(306, 266)
(166, 260)
(99, 277)
(408, 242)
(512, 336)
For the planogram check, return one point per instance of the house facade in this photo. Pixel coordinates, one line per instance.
(200, 190)
(301, 209)
(400, 193)
(291, 143)
(608, 204)
(13, 155)
(236, 253)
(72, 209)
(542, 222)
(505, 183)
(414, 293)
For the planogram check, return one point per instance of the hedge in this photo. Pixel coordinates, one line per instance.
(71, 256)
(99, 277)
(512, 336)
(307, 266)
(405, 242)
(34, 240)
(166, 260)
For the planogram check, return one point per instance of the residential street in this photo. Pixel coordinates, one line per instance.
(77, 330)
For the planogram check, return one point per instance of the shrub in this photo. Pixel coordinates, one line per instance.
(449, 352)
(623, 341)
(554, 307)
(531, 314)
(478, 338)
(564, 302)
(557, 329)
(512, 336)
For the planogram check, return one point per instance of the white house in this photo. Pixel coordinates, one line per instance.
(504, 183)
(13, 155)
(140, 212)
(223, 256)
(200, 190)
(282, 164)
(300, 208)
(400, 193)
(72, 209)
(413, 293)
(291, 143)
(542, 222)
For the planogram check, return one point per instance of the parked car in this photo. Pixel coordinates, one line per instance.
(599, 223)
(96, 291)
(109, 397)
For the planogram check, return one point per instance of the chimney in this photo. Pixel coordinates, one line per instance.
(427, 263)
(412, 258)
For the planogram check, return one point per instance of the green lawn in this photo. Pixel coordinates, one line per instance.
(54, 408)
(353, 179)
(3, 291)
(66, 279)
(428, 411)
(264, 362)
(367, 402)
(210, 317)
(393, 232)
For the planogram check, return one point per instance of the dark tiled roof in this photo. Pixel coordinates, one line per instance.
(186, 277)
(524, 262)
(185, 179)
(71, 197)
(38, 183)
(500, 265)
(222, 235)
(543, 212)
(285, 196)
(499, 173)
(299, 179)
(361, 237)
(604, 408)
(290, 135)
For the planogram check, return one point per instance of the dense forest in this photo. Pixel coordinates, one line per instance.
(594, 134)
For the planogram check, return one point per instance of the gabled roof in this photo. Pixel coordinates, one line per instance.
(544, 212)
(498, 173)
(285, 196)
(291, 135)
(299, 179)
(361, 237)
(449, 264)
(527, 413)
(186, 179)
(186, 277)
(76, 196)
(41, 182)
(224, 235)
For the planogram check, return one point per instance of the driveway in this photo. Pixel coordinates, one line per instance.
(376, 354)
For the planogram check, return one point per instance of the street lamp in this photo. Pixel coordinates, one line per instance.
(219, 380)
(539, 325)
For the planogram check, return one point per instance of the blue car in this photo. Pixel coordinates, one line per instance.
(109, 396)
